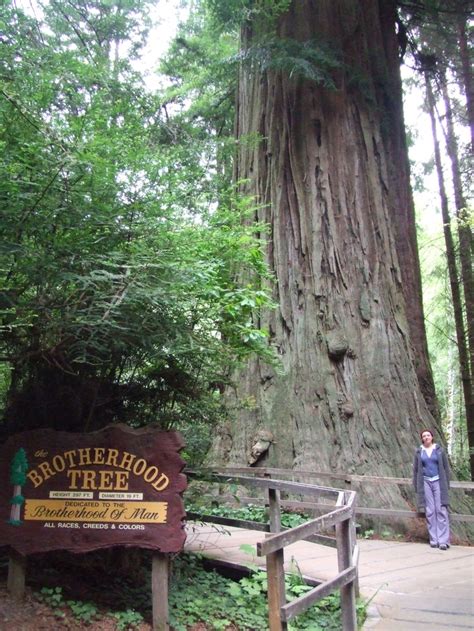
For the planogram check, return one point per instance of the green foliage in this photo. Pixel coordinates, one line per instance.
(120, 295)
(247, 548)
(442, 346)
(198, 594)
(127, 619)
(53, 597)
(84, 612)
(202, 72)
(387, 533)
(310, 60)
(5, 374)
(244, 602)
(230, 14)
(250, 512)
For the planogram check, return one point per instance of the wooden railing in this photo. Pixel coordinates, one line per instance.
(340, 515)
(349, 481)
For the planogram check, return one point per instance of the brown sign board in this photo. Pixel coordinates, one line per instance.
(83, 492)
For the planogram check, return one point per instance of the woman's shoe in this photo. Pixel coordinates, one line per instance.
(433, 545)
(443, 546)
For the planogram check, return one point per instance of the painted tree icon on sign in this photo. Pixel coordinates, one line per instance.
(18, 469)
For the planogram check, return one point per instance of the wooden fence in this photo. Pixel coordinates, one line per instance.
(341, 512)
(348, 481)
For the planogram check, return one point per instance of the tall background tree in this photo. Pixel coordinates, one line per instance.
(439, 50)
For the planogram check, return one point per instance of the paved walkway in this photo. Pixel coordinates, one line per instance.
(412, 586)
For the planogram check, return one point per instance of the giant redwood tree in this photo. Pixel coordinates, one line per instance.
(322, 150)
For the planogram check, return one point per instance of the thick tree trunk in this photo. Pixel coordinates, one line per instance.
(466, 65)
(330, 178)
(387, 84)
(452, 267)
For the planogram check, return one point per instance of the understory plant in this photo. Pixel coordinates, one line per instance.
(251, 512)
(85, 612)
(197, 594)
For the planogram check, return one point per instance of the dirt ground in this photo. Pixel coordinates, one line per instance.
(33, 615)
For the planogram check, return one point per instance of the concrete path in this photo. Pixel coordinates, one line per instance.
(413, 587)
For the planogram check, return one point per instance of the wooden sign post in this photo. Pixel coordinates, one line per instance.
(159, 591)
(16, 575)
(84, 492)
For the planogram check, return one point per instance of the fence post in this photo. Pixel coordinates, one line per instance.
(353, 539)
(16, 574)
(353, 533)
(275, 568)
(274, 509)
(159, 591)
(344, 559)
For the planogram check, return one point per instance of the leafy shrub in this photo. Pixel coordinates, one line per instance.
(199, 595)
(250, 512)
(84, 612)
(242, 602)
(127, 619)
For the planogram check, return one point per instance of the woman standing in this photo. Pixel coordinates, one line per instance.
(431, 482)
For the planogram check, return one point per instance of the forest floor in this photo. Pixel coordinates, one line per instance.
(84, 579)
(47, 607)
(32, 614)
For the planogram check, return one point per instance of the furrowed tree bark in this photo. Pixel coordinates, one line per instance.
(390, 101)
(330, 178)
(452, 268)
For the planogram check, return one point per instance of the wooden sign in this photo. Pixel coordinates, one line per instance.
(82, 492)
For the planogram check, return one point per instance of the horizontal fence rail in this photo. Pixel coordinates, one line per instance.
(344, 477)
(222, 476)
(299, 605)
(286, 538)
(349, 480)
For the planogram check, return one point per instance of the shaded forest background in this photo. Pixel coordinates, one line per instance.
(134, 277)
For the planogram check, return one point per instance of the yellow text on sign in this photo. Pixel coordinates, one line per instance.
(73, 510)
